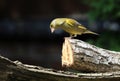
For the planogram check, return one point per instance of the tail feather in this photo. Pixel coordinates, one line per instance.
(90, 32)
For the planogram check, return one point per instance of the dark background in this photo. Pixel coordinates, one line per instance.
(25, 33)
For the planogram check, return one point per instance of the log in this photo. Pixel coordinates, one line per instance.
(17, 71)
(74, 56)
(84, 57)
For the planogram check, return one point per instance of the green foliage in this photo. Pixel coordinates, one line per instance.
(103, 9)
(107, 40)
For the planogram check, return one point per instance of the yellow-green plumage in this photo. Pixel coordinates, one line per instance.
(71, 26)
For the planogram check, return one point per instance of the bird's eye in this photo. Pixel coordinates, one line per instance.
(51, 25)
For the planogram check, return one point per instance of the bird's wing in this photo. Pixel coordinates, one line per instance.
(82, 27)
(69, 22)
(75, 24)
(72, 23)
(62, 22)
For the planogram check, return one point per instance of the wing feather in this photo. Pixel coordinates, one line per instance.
(74, 24)
(82, 27)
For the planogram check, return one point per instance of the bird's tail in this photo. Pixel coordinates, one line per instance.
(90, 32)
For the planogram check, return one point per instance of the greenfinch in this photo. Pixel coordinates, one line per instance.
(69, 25)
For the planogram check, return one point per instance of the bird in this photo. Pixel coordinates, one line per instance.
(69, 25)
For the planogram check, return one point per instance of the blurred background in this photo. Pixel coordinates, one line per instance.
(25, 33)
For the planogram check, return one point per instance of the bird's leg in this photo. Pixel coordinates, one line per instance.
(72, 35)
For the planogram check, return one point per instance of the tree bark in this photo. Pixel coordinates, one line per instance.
(84, 57)
(17, 71)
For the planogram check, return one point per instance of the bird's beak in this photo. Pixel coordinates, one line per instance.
(52, 30)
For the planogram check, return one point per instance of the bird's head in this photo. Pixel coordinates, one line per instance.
(52, 26)
(55, 24)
